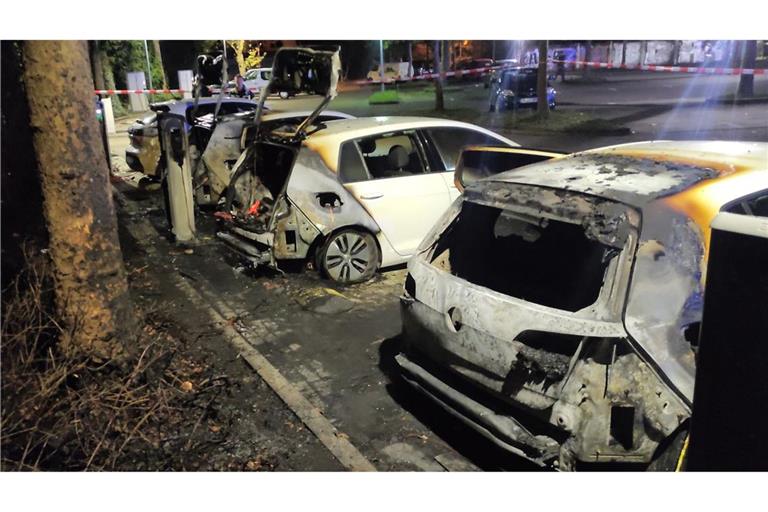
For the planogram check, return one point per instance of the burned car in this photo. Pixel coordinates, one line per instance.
(143, 152)
(555, 308)
(349, 196)
(352, 196)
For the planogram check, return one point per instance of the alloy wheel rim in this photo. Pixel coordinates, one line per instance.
(348, 257)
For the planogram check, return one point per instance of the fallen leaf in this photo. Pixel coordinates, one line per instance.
(214, 428)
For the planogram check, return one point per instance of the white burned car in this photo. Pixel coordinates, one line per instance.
(555, 308)
(354, 195)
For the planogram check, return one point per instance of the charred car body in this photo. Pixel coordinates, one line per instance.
(555, 308)
(143, 153)
(349, 195)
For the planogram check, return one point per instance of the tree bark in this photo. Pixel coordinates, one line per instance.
(159, 55)
(541, 81)
(439, 102)
(91, 289)
(748, 58)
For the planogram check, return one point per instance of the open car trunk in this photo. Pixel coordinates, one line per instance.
(255, 196)
(513, 320)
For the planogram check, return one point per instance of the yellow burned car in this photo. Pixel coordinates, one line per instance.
(555, 308)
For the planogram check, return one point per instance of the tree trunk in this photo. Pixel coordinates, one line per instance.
(748, 58)
(92, 296)
(541, 81)
(587, 58)
(159, 56)
(410, 59)
(439, 103)
(238, 46)
(98, 67)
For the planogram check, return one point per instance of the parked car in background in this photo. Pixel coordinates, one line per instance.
(143, 151)
(516, 88)
(352, 196)
(393, 71)
(555, 308)
(468, 68)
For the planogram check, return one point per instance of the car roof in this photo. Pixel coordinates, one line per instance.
(327, 141)
(695, 178)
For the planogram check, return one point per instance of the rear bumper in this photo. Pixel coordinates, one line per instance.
(477, 408)
(504, 431)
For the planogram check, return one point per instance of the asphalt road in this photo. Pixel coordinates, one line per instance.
(653, 105)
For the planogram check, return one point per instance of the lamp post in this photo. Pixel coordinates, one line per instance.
(381, 63)
(149, 68)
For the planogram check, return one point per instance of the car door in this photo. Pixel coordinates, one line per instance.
(444, 145)
(387, 174)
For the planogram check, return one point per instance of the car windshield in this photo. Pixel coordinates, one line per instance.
(518, 81)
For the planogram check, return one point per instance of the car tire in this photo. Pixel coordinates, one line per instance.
(349, 256)
(669, 452)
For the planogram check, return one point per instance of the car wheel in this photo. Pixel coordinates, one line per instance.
(670, 452)
(349, 256)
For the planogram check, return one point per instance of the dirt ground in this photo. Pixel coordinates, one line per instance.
(243, 425)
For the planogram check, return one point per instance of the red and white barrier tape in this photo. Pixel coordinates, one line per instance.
(111, 92)
(457, 73)
(666, 69)
(599, 65)
(485, 70)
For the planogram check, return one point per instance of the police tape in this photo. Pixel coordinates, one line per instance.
(664, 69)
(111, 92)
(458, 73)
(599, 65)
(429, 76)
